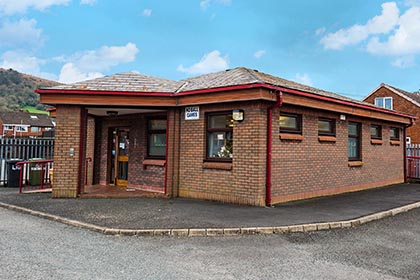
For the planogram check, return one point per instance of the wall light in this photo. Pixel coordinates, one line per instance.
(112, 113)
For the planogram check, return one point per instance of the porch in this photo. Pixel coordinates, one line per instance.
(118, 152)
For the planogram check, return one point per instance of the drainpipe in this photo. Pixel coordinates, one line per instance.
(81, 149)
(270, 144)
(166, 154)
(405, 149)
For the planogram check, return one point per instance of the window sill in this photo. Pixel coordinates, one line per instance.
(331, 139)
(217, 165)
(394, 142)
(291, 136)
(155, 162)
(376, 141)
(355, 163)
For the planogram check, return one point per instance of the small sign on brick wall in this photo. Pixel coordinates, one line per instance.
(192, 113)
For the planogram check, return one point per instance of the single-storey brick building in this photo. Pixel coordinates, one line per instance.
(237, 136)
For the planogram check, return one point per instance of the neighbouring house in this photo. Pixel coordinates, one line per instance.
(393, 98)
(237, 136)
(24, 124)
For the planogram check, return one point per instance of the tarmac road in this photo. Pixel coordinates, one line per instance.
(34, 248)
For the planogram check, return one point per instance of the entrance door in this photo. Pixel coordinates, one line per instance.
(121, 147)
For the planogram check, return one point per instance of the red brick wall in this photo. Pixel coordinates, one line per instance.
(309, 168)
(67, 136)
(401, 105)
(245, 183)
(90, 148)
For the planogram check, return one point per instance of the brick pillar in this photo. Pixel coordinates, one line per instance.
(67, 151)
(90, 149)
(172, 158)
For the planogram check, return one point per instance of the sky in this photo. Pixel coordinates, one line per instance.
(347, 47)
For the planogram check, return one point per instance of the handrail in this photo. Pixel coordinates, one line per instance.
(22, 163)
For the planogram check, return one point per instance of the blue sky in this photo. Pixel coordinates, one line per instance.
(347, 46)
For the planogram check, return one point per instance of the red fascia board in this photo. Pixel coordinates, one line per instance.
(101, 92)
(347, 103)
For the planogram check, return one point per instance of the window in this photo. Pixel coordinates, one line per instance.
(384, 102)
(290, 123)
(375, 131)
(220, 136)
(35, 129)
(354, 141)
(156, 146)
(326, 127)
(21, 128)
(394, 133)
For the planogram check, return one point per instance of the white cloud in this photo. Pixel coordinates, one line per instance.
(89, 64)
(20, 33)
(25, 63)
(412, 3)
(404, 62)
(355, 34)
(10, 7)
(210, 62)
(147, 12)
(259, 53)
(88, 2)
(205, 4)
(303, 79)
(405, 40)
(70, 74)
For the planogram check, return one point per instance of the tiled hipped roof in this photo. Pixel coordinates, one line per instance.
(412, 96)
(24, 118)
(133, 82)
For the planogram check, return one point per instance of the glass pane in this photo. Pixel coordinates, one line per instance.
(221, 121)
(393, 133)
(353, 129)
(123, 144)
(288, 122)
(157, 124)
(353, 149)
(157, 145)
(122, 170)
(388, 103)
(220, 145)
(374, 131)
(324, 126)
(379, 102)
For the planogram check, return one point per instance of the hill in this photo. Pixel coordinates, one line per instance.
(17, 90)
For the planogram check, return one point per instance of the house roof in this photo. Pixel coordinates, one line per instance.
(134, 84)
(25, 118)
(130, 82)
(410, 96)
(243, 76)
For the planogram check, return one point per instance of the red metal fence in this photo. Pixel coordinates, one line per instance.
(413, 161)
(35, 175)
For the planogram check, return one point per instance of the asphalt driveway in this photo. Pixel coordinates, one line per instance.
(155, 213)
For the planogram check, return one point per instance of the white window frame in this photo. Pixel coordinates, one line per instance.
(384, 100)
(36, 129)
(21, 128)
(7, 127)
